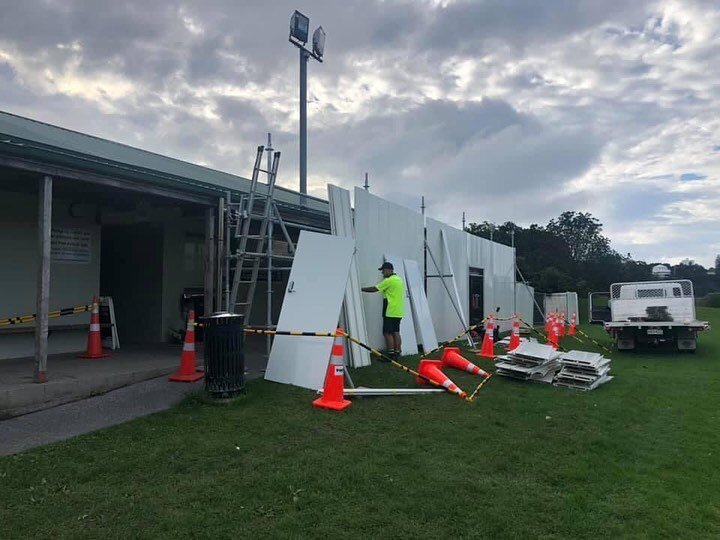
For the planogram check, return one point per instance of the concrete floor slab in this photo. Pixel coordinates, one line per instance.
(71, 378)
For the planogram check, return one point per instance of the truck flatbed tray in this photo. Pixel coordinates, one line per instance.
(657, 324)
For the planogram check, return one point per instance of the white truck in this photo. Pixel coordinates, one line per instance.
(654, 313)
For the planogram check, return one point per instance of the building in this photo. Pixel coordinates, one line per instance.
(81, 216)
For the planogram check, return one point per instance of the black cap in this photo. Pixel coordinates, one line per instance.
(386, 265)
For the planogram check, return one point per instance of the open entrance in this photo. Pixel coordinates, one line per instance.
(131, 272)
(476, 303)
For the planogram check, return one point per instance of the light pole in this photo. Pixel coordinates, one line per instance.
(299, 31)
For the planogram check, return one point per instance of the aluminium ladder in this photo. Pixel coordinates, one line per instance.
(252, 244)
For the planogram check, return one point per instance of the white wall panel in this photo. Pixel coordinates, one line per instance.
(312, 303)
(565, 302)
(498, 263)
(382, 227)
(424, 327)
(408, 336)
(341, 223)
(504, 282)
(445, 319)
(525, 303)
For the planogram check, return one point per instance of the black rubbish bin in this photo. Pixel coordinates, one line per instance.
(224, 355)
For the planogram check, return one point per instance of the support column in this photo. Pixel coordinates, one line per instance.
(43, 278)
(221, 259)
(209, 260)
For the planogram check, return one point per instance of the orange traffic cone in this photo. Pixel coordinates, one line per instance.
(488, 346)
(332, 397)
(548, 323)
(573, 325)
(554, 337)
(94, 341)
(431, 370)
(187, 371)
(452, 358)
(515, 336)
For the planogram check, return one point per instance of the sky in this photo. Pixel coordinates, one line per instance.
(507, 110)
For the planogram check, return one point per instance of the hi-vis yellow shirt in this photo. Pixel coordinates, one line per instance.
(393, 291)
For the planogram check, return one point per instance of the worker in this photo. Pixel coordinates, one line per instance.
(393, 291)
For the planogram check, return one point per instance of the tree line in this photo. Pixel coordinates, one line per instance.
(570, 253)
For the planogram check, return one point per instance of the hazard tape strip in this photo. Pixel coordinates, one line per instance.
(479, 386)
(287, 333)
(397, 364)
(456, 338)
(467, 331)
(597, 343)
(51, 315)
(540, 334)
(372, 351)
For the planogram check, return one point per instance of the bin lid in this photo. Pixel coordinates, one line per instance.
(222, 315)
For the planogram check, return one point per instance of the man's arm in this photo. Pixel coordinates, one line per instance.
(369, 289)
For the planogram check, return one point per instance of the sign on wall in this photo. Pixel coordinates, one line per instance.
(70, 245)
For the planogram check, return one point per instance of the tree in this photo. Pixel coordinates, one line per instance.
(582, 234)
(553, 280)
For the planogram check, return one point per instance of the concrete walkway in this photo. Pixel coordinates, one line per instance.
(115, 407)
(71, 378)
(111, 408)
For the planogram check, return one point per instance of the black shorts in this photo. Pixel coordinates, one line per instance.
(391, 325)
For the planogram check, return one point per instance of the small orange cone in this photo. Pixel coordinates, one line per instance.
(554, 336)
(573, 325)
(488, 346)
(187, 371)
(548, 323)
(452, 358)
(94, 341)
(332, 397)
(515, 336)
(431, 370)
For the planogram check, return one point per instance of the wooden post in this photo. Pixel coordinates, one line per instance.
(220, 256)
(209, 259)
(43, 281)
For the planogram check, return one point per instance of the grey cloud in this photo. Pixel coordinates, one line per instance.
(461, 154)
(576, 86)
(467, 26)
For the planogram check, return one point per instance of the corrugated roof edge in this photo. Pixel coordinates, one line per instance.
(291, 194)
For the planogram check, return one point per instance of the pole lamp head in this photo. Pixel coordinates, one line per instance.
(318, 42)
(299, 27)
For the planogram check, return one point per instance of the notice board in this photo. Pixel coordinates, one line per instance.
(70, 245)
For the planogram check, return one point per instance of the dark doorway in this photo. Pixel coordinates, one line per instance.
(477, 299)
(131, 271)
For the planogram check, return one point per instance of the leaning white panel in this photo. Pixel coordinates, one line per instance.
(448, 246)
(407, 325)
(341, 224)
(312, 303)
(421, 310)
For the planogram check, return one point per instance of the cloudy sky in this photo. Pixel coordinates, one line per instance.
(509, 110)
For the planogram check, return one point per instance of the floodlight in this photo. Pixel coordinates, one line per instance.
(299, 27)
(318, 42)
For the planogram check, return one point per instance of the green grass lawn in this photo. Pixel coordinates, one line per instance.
(636, 458)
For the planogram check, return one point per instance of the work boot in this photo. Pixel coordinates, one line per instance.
(387, 353)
